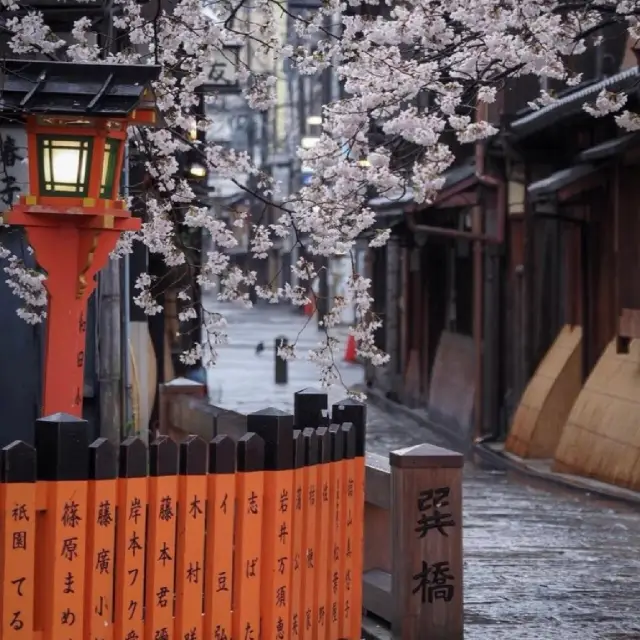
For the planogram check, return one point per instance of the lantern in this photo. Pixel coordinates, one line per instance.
(76, 117)
(77, 128)
(77, 158)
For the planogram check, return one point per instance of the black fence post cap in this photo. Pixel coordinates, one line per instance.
(336, 436)
(18, 463)
(298, 449)
(163, 457)
(133, 458)
(222, 455)
(250, 453)
(308, 405)
(349, 432)
(193, 456)
(275, 427)
(63, 443)
(324, 445)
(103, 461)
(311, 456)
(355, 412)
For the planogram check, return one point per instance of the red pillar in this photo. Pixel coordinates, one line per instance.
(71, 249)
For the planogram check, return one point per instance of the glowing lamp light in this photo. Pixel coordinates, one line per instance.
(314, 121)
(197, 170)
(64, 165)
(76, 157)
(308, 142)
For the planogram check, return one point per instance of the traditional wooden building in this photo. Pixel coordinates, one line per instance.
(578, 292)
(518, 249)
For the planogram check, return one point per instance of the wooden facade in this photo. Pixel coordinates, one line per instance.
(541, 234)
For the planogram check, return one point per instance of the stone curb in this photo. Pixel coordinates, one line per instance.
(388, 406)
(499, 461)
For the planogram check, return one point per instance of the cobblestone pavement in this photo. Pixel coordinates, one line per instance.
(538, 563)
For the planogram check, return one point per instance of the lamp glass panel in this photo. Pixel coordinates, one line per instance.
(64, 165)
(109, 164)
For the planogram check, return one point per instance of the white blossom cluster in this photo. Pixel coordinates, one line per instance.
(412, 71)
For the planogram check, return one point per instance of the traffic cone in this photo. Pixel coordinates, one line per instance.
(350, 350)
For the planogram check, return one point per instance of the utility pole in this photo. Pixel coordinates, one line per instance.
(322, 303)
(109, 325)
(110, 352)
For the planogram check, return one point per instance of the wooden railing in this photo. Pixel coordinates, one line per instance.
(259, 537)
(412, 572)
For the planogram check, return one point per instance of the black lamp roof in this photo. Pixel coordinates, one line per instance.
(71, 88)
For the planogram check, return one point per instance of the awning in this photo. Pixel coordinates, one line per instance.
(573, 102)
(556, 181)
(610, 148)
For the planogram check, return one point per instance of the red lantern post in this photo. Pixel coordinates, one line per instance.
(73, 219)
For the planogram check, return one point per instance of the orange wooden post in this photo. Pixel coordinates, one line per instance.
(298, 532)
(346, 559)
(161, 539)
(323, 534)
(247, 558)
(192, 497)
(17, 532)
(276, 429)
(130, 543)
(334, 576)
(218, 574)
(99, 568)
(355, 412)
(310, 508)
(62, 443)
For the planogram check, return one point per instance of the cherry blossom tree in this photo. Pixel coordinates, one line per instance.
(414, 70)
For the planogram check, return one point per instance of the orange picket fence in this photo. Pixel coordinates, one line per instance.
(256, 539)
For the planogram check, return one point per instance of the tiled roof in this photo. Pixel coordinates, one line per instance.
(573, 102)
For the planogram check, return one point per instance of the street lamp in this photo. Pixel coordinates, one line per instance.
(76, 123)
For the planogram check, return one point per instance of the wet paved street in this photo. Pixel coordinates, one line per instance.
(539, 563)
(244, 381)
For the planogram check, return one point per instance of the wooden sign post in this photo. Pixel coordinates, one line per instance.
(218, 575)
(426, 524)
(335, 611)
(102, 499)
(161, 537)
(354, 412)
(17, 535)
(276, 429)
(298, 536)
(322, 534)
(308, 594)
(248, 536)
